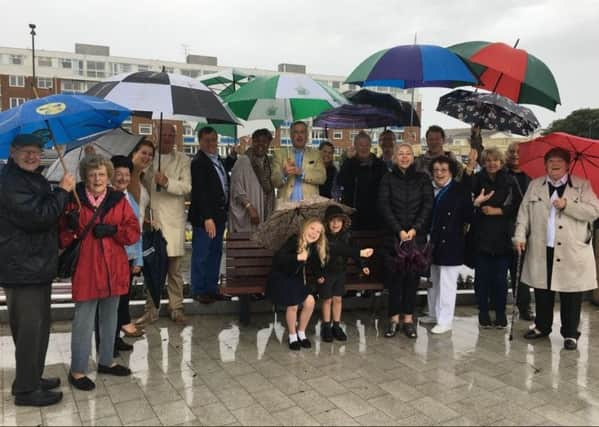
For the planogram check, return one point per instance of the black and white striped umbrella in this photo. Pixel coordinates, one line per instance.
(150, 93)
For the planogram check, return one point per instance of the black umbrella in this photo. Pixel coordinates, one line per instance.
(403, 109)
(155, 263)
(488, 111)
(355, 116)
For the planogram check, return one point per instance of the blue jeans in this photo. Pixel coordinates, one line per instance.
(490, 282)
(206, 254)
(83, 326)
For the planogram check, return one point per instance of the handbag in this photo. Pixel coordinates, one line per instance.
(67, 260)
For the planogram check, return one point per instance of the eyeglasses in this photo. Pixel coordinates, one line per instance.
(436, 170)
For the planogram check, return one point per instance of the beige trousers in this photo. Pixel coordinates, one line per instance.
(174, 286)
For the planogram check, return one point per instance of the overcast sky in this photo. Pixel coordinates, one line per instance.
(328, 36)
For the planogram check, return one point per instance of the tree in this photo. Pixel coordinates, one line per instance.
(583, 122)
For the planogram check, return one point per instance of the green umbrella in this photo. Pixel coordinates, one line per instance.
(285, 97)
(513, 73)
(226, 82)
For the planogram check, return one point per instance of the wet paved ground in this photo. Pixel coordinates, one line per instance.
(214, 372)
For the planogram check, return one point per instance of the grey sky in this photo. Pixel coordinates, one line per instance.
(328, 36)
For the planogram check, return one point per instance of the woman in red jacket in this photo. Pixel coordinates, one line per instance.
(102, 272)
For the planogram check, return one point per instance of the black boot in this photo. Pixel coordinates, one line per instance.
(484, 321)
(326, 332)
(338, 332)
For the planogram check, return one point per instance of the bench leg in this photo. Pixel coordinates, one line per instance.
(244, 309)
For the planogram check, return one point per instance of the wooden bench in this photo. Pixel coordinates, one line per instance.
(248, 266)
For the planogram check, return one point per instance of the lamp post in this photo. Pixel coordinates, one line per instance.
(33, 82)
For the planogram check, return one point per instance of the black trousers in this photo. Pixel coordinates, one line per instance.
(29, 318)
(570, 303)
(523, 300)
(403, 289)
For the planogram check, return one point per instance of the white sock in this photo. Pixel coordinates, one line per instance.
(301, 335)
(292, 337)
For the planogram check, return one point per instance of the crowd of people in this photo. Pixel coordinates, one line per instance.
(485, 213)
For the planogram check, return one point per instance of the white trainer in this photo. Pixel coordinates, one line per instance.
(440, 329)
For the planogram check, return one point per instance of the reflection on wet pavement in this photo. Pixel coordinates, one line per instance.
(215, 371)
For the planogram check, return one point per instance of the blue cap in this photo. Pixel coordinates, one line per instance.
(25, 139)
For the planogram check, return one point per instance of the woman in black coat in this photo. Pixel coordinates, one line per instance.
(495, 204)
(452, 212)
(405, 203)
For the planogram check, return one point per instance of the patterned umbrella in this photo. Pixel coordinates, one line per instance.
(488, 111)
(288, 218)
(164, 95)
(413, 66)
(352, 116)
(283, 97)
(513, 73)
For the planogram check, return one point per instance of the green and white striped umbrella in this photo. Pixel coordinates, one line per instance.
(285, 97)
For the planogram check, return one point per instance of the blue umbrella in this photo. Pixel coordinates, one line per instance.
(60, 119)
(413, 66)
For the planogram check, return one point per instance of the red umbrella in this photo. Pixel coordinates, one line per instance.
(584, 154)
(513, 73)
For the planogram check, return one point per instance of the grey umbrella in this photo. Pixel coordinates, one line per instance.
(116, 142)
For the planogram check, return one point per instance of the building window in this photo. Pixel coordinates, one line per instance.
(143, 67)
(73, 86)
(15, 102)
(144, 129)
(96, 69)
(190, 73)
(337, 135)
(44, 61)
(44, 83)
(187, 130)
(15, 59)
(16, 81)
(78, 65)
(121, 68)
(318, 134)
(336, 85)
(65, 63)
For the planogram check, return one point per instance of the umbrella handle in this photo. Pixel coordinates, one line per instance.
(64, 167)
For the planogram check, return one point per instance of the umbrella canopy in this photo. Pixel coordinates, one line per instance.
(354, 116)
(403, 109)
(283, 97)
(155, 263)
(584, 153)
(224, 83)
(61, 119)
(287, 220)
(413, 66)
(488, 111)
(116, 142)
(173, 96)
(513, 73)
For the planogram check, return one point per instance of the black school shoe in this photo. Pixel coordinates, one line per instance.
(570, 344)
(338, 333)
(38, 397)
(295, 345)
(45, 384)
(326, 332)
(84, 383)
(534, 334)
(305, 343)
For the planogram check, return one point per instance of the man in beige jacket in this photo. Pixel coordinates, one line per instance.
(168, 207)
(554, 225)
(297, 172)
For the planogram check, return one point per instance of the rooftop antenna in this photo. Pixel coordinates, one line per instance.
(186, 49)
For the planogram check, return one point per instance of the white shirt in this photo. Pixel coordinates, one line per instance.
(552, 213)
(437, 189)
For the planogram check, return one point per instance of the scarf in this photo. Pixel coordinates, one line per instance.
(261, 166)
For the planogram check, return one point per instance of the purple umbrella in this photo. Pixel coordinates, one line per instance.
(350, 116)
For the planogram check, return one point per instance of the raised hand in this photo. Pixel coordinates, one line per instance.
(366, 253)
(483, 197)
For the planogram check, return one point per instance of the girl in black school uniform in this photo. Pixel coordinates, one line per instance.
(333, 288)
(287, 281)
